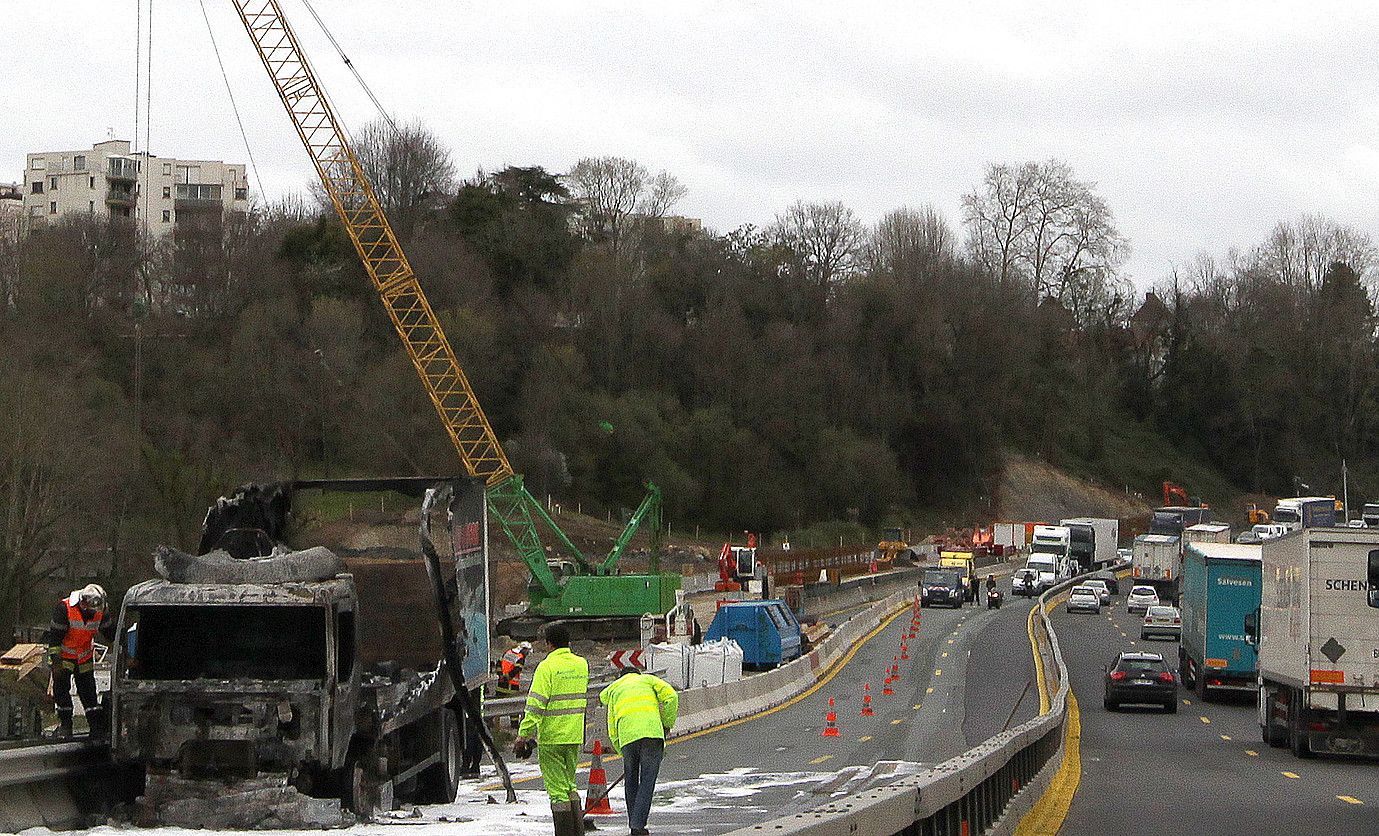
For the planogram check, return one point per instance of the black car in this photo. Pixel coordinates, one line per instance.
(942, 588)
(1140, 678)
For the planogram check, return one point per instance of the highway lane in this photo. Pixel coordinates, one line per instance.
(779, 762)
(1201, 770)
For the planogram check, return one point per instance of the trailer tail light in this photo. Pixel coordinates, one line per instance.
(1177, 621)
(1215, 683)
(1117, 675)
(1165, 677)
(1316, 726)
(1328, 677)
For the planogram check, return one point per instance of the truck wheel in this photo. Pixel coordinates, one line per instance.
(1274, 736)
(439, 784)
(1297, 737)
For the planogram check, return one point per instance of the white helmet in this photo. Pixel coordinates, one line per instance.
(524, 646)
(93, 596)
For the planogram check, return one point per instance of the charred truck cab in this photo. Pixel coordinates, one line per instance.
(330, 674)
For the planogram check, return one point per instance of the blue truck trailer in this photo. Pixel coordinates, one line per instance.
(1220, 590)
(767, 631)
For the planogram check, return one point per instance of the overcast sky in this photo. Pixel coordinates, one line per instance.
(1203, 123)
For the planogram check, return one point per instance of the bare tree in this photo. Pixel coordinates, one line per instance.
(1040, 225)
(1299, 253)
(612, 191)
(408, 167)
(907, 242)
(827, 238)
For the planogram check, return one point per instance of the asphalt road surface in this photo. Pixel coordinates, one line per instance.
(1202, 770)
(779, 762)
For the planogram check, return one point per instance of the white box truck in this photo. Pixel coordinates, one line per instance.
(1318, 639)
(1094, 541)
(1155, 560)
(1212, 532)
(1009, 535)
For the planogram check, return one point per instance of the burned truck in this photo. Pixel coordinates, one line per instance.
(301, 673)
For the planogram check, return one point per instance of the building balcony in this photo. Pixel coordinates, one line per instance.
(120, 197)
(123, 168)
(197, 195)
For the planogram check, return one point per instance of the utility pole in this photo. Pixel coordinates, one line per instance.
(1345, 491)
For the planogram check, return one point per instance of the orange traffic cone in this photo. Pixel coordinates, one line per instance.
(866, 700)
(904, 651)
(598, 785)
(886, 691)
(830, 720)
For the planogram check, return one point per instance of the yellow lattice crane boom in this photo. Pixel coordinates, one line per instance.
(585, 589)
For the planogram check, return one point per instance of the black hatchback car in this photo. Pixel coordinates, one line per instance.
(942, 588)
(1141, 678)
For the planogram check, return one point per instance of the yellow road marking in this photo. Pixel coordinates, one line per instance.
(1051, 809)
(1225, 737)
(1038, 664)
(831, 672)
(864, 738)
(945, 654)
(938, 672)
(1252, 753)
(1187, 702)
(1205, 720)
(1290, 775)
(1350, 799)
(917, 705)
(950, 641)
(928, 690)
(897, 721)
(821, 759)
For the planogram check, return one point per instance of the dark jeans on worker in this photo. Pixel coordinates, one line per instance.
(641, 761)
(62, 689)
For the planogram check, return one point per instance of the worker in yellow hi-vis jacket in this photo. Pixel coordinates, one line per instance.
(641, 712)
(554, 721)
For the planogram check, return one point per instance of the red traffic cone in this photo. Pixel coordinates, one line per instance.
(886, 691)
(598, 785)
(830, 721)
(904, 651)
(866, 700)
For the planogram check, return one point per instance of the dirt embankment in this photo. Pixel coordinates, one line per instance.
(1033, 490)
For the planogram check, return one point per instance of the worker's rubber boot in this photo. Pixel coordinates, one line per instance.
(585, 824)
(100, 723)
(564, 818)
(64, 724)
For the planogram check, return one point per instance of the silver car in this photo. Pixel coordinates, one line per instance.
(1141, 598)
(1084, 598)
(1101, 587)
(1162, 620)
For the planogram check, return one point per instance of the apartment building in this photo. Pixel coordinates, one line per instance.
(107, 179)
(11, 212)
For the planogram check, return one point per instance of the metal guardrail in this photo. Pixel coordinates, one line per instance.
(968, 794)
(31, 764)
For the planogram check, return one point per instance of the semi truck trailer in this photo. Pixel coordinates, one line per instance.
(1154, 561)
(1094, 541)
(1318, 639)
(1220, 593)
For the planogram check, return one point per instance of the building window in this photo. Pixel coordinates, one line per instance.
(52, 208)
(91, 206)
(37, 187)
(167, 192)
(79, 162)
(167, 216)
(241, 193)
(93, 182)
(35, 211)
(167, 169)
(52, 183)
(38, 163)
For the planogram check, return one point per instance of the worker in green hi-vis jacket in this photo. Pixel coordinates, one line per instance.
(554, 721)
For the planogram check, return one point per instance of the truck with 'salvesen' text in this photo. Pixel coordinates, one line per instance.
(1220, 593)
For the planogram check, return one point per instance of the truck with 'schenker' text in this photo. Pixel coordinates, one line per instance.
(1318, 639)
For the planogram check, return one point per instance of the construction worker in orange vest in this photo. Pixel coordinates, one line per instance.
(510, 670)
(71, 652)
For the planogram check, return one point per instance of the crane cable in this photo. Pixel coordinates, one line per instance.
(148, 110)
(138, 64)
(350, 64)
(234, 106)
